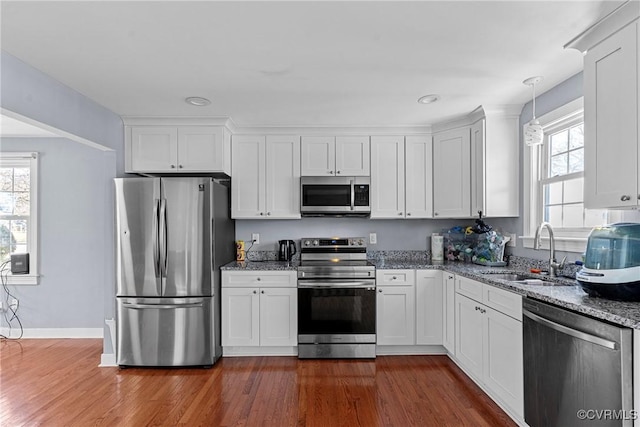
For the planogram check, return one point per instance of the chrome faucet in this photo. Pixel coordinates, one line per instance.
(554, 266)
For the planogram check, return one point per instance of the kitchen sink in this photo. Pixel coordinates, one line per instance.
(527, 279)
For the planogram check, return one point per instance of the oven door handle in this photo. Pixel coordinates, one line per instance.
(323, 284)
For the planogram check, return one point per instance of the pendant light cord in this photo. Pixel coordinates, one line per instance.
(534, 100)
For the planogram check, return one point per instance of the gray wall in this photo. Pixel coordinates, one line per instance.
(73, 216)
(85, 187)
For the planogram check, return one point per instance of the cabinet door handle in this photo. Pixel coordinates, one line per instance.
(337, 172)
(408, 213)
(625, 198)
(380, 290)
(262, 292)
(268, 213)
(173, 166)
(435, 214)
(400, 213)
(255, 292)
(394, 278)
(261, 213)
(180, 166)
(330, 172)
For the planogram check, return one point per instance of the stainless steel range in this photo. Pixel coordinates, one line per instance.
(336, 299)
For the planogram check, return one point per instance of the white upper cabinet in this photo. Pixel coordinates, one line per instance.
(418, 151)
(452, 174)
(201, 148)
(328, 155)
(387, 177)
(611, 115)
(495, 163)
(177, 149)
(352, 155)
(401, 178)
(266, 177)
(476, 165)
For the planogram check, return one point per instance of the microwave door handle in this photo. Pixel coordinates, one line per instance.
(353, 194)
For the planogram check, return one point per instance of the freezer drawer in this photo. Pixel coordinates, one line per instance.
(165, 332)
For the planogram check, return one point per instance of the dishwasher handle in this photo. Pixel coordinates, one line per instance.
(569, 331)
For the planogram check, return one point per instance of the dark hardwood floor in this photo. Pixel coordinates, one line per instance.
(58, 383)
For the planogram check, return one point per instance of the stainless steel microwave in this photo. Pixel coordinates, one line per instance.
(335, 196)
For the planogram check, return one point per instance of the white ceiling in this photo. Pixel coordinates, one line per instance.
(301, 63)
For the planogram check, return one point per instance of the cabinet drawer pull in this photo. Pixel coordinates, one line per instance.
(258, 279)
(625, 198)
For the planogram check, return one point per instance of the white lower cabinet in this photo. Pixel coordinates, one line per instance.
(449, 310)
(395, 305)
(259, 309)
(488, 342)
(429, 307)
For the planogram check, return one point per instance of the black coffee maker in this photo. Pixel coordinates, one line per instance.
(286, 250)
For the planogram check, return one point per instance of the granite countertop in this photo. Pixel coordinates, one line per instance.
(260, 265)
(564, 292)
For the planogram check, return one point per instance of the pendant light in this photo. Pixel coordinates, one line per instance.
(533, 134)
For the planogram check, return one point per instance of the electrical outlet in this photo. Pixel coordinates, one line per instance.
(256, 238)
(14, 304)
(373, 238)
(512, 241)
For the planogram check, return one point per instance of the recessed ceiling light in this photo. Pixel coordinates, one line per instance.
(428, 99)
(198, 101)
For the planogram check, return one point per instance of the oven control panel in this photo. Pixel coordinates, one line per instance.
(333, 242)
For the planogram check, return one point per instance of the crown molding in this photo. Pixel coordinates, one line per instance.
(624, 15)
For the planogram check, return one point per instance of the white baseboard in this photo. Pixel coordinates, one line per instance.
(107, 360)
(54, 332)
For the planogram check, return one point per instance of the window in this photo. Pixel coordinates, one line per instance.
(18, 210)
(562, 178)
(555, 171)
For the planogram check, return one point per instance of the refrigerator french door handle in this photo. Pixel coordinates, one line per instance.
(163, 237)
(156, 244)
(161, 306)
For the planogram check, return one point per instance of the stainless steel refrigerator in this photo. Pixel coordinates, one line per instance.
(173, 234)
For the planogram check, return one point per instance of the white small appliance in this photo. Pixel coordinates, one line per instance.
(612, 262)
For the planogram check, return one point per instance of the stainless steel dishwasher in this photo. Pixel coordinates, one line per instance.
(577, 370)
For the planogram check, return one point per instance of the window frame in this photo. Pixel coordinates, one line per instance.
(30, 158)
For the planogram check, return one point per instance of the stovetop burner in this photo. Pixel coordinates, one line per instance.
(334, 257)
